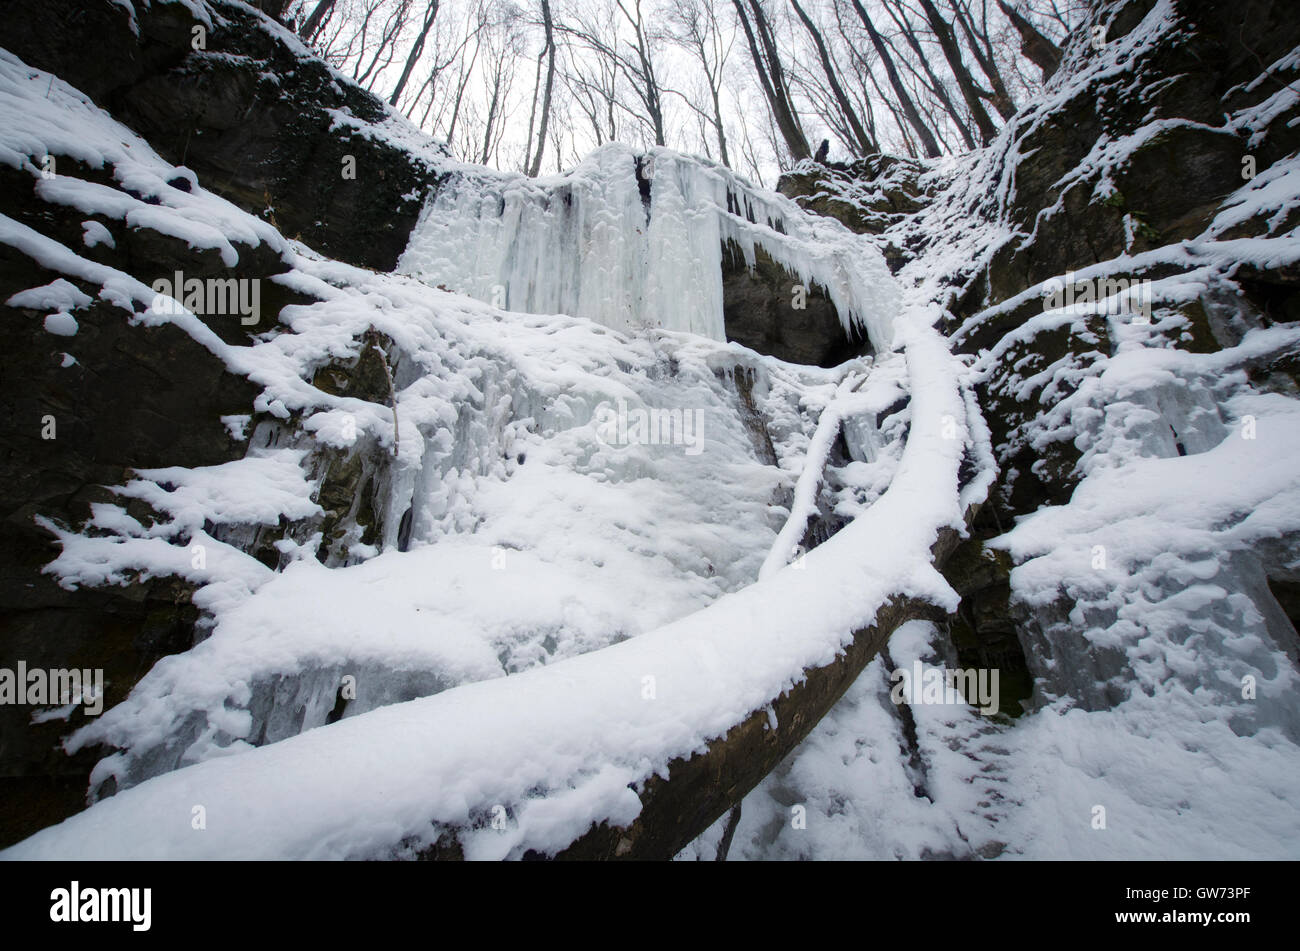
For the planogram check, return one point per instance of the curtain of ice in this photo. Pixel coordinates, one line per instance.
(635, 240)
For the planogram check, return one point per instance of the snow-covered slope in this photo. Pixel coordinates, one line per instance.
(1166, 713)
(557, 747)
(533, 604)
(531, 522)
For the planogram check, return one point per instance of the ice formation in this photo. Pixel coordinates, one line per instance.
(635, 240)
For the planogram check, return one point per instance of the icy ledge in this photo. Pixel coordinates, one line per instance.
(560, 747)
(634, 240)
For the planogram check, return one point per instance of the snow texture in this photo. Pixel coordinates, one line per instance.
(575, 607)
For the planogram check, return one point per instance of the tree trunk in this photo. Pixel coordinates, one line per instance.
(982, 49)
(928, 142)
(865, 145)
(936, 84)
(1041, 51)
(702, 787)
(722, 136)
(274, 8)
(536, 167)
(948, 43)
(772, 80)
(777, 72)
(650, 84)
(430, 14)
(313, 22)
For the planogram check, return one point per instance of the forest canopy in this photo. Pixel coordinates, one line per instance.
(754, 84)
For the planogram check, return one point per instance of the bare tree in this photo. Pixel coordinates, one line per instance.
(952, 53)
(444, 50)
(637, 66)
(385, 45)
(644, 81)
(771, 76)
(748, 150)
(859, 141)
(534, 167)
(313, 22)
(981, 46)
(503, 47)
(699, 32)
(417, 49)
(928, 141)
(932, 83)
(476, 25)
(593, 81)
(1045, 54)
(869, 74)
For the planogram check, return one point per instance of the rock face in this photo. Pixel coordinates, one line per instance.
(867, 196)
(1112, 173)
(1184, 152)
(267, 128)
(262, 122)
(135, 397)
(768, 310)
(872, 195)
(1167, 187)
(1170, 181)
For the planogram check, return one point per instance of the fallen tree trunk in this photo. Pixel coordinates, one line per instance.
(701, 788)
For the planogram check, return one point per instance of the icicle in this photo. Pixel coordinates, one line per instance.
(585, 244)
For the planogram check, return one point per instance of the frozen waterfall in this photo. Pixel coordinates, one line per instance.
(634, 240)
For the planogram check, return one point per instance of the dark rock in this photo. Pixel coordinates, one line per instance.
(759, 313)
(867, 196)
(136, 397)
(131, 397)
(258, 123)
(983, 629)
